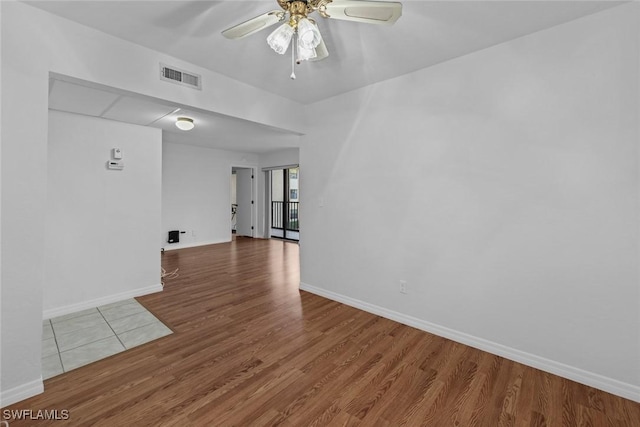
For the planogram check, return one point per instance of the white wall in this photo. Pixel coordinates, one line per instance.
(196, 195)
(35, 43)
(503, 187)
(101, 225)
(24, 161)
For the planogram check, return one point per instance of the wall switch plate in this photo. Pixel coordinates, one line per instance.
(403, 286)
(115, 165)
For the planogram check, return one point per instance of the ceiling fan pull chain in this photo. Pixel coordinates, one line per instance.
(293, 56)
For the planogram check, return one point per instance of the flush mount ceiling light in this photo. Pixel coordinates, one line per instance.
(184, 123)
(302, 32)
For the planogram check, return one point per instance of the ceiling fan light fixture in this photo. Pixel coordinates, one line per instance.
(280, 38)
(308, 34)
(305, 54)
(184, 123)
(302, 32)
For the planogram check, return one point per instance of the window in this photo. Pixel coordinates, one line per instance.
(285, 194)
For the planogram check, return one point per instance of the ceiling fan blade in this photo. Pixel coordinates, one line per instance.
(254, 25)
(370, 12)
(321, 51)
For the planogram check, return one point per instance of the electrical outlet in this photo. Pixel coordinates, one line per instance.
(403, 286)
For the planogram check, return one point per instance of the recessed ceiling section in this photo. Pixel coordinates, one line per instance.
(137, 111)
(211, 130)
(77, 99)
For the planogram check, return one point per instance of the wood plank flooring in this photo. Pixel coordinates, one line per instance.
(250, 349)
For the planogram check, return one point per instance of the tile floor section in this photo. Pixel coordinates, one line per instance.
(78, 339)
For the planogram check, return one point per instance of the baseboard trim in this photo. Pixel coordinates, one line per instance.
(610, 385)
(72, 308)
(21, 392)
(173, 247)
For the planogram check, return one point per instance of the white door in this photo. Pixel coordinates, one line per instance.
(244, 199)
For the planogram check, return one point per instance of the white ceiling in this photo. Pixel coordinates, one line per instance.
(429, 32)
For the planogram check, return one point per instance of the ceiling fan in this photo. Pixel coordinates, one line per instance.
(303, 31)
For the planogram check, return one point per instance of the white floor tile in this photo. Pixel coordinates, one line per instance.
(134, 321)
(118, 312)
(77, 323)
(83, 336)
(144, 334)
(51, 366)
(47, 330)
(49, 347)
(55, 320)
(89, 353)
(118, 304)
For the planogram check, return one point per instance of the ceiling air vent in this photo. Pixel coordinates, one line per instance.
(176, 75)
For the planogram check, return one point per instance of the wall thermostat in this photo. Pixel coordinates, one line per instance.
(116, 153)
(115, 165)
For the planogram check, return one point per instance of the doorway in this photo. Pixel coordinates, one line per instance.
(242, 201)
(285, 202)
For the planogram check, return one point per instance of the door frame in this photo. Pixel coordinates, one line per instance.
(286, 196)
(254, 193)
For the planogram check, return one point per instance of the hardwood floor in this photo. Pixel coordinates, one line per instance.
(250, 349)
